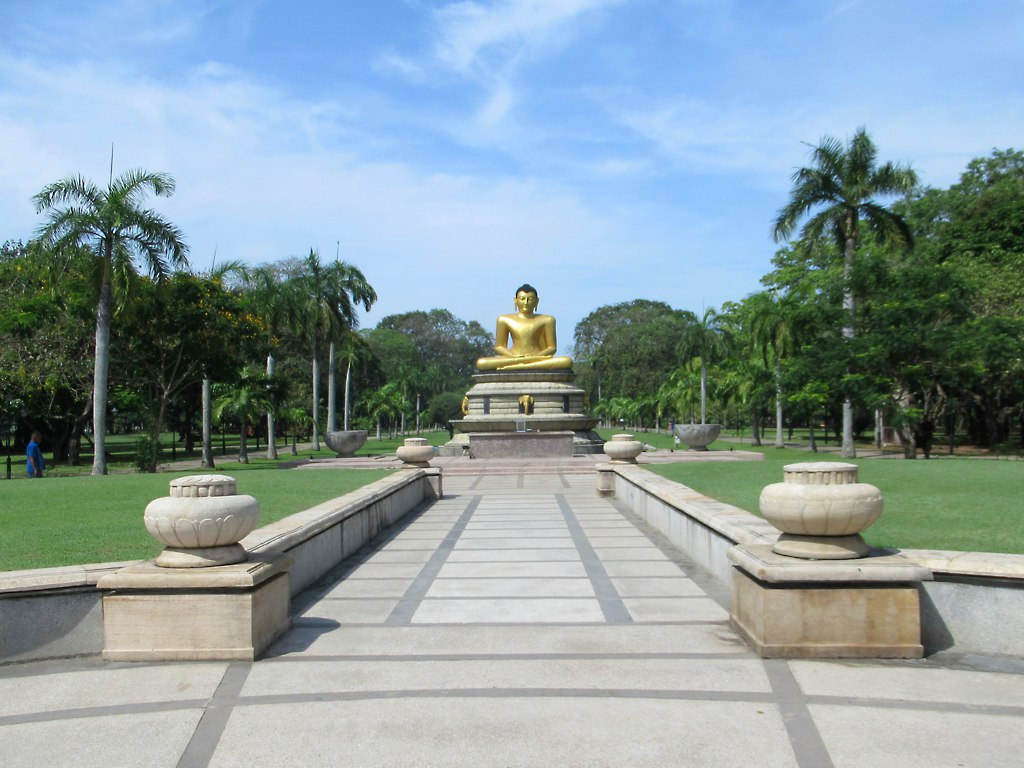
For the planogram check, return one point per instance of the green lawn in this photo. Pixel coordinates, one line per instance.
(944, 503)
(67, 521)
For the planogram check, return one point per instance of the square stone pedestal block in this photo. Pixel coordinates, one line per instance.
(230, 612)
(788, 608)
(514, 445)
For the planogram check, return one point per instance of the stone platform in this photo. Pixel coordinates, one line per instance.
(527, 401)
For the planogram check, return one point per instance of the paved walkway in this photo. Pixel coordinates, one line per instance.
(519, 621)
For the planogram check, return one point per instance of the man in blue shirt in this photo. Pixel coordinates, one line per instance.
(35, 463)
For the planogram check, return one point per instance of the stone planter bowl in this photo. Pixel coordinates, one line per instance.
(345, 442)
(821, 509)
(697, 436)
(416, 452)
(623, 449)
(201, 522)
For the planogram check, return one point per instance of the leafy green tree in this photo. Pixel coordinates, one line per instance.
(325, 301)
(628, 349)
(46, 344)
(245, 401)
(119, 229)
(705, 340)
(835, 194)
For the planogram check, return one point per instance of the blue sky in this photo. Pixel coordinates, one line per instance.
(602, 150)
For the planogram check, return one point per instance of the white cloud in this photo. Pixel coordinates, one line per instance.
(469, 32)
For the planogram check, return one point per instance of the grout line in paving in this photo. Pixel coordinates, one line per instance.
(413, 597)
(211, 726)
(612, 607)
(808, 746)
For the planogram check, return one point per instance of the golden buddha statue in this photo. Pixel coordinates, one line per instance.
(533, 339)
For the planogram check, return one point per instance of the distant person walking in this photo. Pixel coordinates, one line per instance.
(35, 463)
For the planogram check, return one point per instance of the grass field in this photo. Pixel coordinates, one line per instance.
(67, 521)
(944, 503)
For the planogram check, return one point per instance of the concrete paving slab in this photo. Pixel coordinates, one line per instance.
(508, 611)
(865, 736)
(377, 588)
(495, 587)
(596, 638)
(283, 677)
(139, 739)
(377, 570)
(629, 553)
(661, 586)
(512, 731)
(109, 686)
(512, 555)
(549, 570)
(533, 542)
(615, 568)
(909, 681)
(352, 611)
(674, 609)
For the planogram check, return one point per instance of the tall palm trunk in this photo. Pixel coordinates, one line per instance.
(316, 391)
(243, 448)
(779, 442)
(207, 423)
(849, 450)
(348, 390)
(331, 387)
(101, 369)
(271, 421)
(703, 391)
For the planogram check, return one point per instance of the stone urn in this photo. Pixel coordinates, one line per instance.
(201, 522)
(623, 449)
(697, 436)
(821, 510)
(416, 452)
(345, 442)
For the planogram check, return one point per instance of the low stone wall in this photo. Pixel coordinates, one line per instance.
(52, 613)
(974, 605)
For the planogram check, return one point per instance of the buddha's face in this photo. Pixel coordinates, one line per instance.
(526, 302)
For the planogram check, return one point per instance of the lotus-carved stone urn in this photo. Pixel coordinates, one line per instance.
(345, 442)
(821, 510)
(697, 436)
(201, 522)
(416, 452)
(623, 449)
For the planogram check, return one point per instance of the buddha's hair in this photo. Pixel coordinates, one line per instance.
(528, 288)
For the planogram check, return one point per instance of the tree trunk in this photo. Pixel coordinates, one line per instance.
(849, 450)
(316, 397)
(207, 424)
(101, 369)
(755, 428)
(813, 444)
(779, 442)
(243, 448)
(348, 386)
(331, 419)
(703, 392)
(271, 422)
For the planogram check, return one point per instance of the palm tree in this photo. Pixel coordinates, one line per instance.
(119, 230)
(705, 339)
(837, 191)
(353, 349)
(326, 299)
(771, 330)
(247, 401)
(272, 301)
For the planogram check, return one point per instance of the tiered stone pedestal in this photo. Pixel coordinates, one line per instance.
(228, 612)
(527, 401)
(790, 608)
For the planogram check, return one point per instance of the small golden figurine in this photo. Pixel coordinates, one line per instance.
(533, 339)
